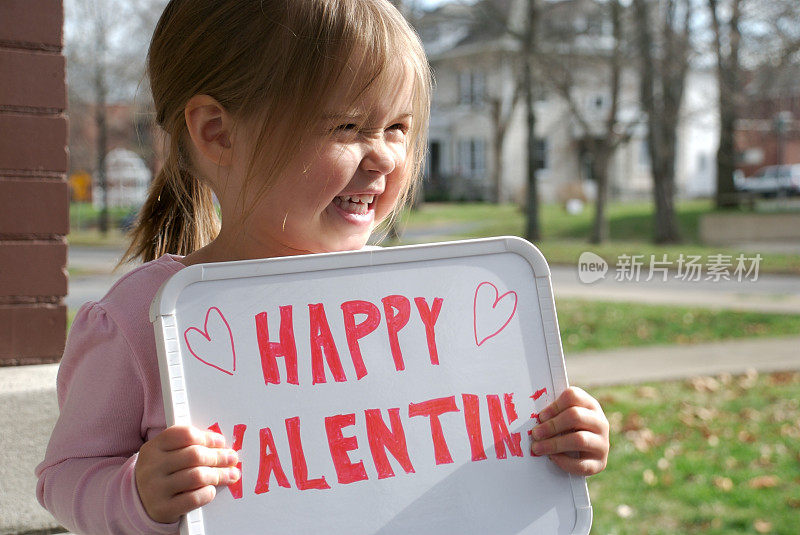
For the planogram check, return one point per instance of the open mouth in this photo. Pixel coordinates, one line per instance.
(355, 204)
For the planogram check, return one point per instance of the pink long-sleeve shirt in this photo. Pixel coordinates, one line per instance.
(109, 396)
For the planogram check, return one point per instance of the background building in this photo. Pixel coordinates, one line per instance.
(475, 62)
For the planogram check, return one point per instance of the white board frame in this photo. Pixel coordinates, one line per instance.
(163, 317)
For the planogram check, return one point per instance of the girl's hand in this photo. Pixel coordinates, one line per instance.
(573, 423)
(176, 472)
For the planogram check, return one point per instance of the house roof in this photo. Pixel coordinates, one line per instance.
(459, 29)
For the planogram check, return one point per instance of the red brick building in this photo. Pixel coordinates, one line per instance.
(34, 208)
(768, 132)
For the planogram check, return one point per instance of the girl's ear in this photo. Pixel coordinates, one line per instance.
(210, 128)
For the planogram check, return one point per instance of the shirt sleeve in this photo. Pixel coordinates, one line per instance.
(87, 477)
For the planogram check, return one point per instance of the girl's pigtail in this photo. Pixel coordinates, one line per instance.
(178, 216)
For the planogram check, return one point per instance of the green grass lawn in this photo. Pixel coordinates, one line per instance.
(709, 455)
(629, 221)
(565, 236)
(597, 325)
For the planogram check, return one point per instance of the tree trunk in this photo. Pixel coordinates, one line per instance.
(667, 71)
(666, 223)
(100, 120)
(726, 160)
(498, 139)
(728, 75)
(532, 230)
(600, 163)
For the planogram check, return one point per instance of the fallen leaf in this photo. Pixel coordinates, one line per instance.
(615, 421)
(790, 431)
(749, 379)
(672, 450)
(607, 399)
(647, 392)
(704, 384)
(624, 511)
(632, 422)
(762, 526)
(706, 414)
(642, 440)
(749, 414)
(746, 436)
(784, 378)
(723, 483)
(764, 482)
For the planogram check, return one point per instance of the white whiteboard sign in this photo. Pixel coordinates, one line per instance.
(386, 391)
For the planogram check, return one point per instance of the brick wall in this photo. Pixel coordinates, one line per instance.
(34, 198)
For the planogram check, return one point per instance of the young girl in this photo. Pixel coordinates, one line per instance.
(307, 120)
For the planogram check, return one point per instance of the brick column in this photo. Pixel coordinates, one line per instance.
(34, 197)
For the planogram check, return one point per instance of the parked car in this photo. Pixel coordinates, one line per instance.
(772, 180)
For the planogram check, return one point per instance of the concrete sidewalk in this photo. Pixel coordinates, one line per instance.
(662, 363)
(28, 403)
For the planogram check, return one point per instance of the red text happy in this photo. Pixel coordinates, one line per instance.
(359, 318)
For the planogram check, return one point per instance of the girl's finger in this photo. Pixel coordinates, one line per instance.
(182, 503)
(192, 456)
(580, 466)
(580, 441)
(571, 397)
(198, 477)
(571, 419)
(179, 437)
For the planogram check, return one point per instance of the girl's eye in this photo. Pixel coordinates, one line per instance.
(400, 127)
(349, 127)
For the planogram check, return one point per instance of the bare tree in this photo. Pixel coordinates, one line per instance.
(727, 40)
(523, 27)
(664, 64)
(106, 46)
(571, 54)
(530, 47)
(502, 111)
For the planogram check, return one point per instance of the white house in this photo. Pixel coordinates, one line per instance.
(474, 66)
(127, 178)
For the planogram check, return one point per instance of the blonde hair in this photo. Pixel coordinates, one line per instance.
(278, 62)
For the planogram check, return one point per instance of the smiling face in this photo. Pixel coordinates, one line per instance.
(336, 189)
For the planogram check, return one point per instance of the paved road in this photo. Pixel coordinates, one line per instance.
(773, 293)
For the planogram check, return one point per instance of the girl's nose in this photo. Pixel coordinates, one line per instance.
(378, 158)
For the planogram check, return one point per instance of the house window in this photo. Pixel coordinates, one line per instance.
(435, 159)
(702, 162)
(540, 153)
(471, 87)
(597, 102)
(644, 154)
(472, 157)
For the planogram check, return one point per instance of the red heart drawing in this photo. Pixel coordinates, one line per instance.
(215, 350)
(486, 304)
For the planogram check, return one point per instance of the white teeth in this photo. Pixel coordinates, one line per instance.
(364, 199)
(356, 204)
